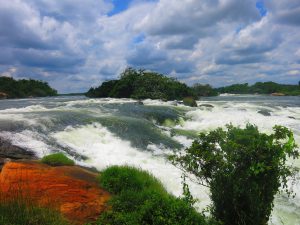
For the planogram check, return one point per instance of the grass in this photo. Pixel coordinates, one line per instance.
(19, 212)
(139, 198)
(57, 159)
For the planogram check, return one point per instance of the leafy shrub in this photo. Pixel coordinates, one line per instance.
(141, 199)
(18, 212)
(190, 101)
(116, 179)
(57, 159)
(243, 168)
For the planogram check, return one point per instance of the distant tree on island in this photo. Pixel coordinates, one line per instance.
(25, 88)
(141, 84)
(260, 88)
(204, 90)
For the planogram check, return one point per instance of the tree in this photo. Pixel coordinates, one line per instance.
(243, 168)
(204, 90)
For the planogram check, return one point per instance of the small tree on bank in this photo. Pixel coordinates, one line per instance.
(243, 168)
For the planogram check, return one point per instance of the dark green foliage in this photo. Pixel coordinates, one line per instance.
(21, 213)
(204, 90)
(261, 88)
(189, 101)
(141, 199)
(243, 168)
(25, 88)
(57, 159)
(139, 84)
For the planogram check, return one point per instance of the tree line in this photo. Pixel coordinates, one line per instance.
(261, 88)
(12, 88)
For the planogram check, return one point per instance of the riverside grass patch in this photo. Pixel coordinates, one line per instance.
(57, 159)
(20, 212)
(139, 198)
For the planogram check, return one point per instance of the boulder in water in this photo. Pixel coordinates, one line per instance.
(265, 112)
(190, 101)
(207, 105)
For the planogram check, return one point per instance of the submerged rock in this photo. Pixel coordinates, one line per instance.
(264, 112)
(140, 102)
(207, 105)
(70, 189)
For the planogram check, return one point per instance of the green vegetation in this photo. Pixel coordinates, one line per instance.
(57, 159)
(261, 88)
(25, 88)
(204, 90)
(139, 198)
(140, 84)
(19, 212)
(189, 101)
(243, 168)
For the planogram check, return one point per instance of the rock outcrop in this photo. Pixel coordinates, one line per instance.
(264, 112)
(3, 95)
(10, 152)
(70, 189)
(277, 94)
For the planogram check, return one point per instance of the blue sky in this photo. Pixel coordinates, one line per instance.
(75, 44)
(119, 6)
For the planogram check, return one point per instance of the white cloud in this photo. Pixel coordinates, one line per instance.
(74, 44)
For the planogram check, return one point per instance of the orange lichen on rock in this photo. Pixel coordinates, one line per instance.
(70, 189)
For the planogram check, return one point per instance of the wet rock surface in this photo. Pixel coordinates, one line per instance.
(70, 189)
(207, 105)
(11, 152)
(264, 112)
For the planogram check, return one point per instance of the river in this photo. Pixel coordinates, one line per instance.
(103, 132)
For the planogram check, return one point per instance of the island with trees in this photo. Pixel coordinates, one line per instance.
(141, 84)
(261, 88)
(11, 88)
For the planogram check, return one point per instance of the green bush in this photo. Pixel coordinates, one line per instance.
(190, 101)
(20, 213)
(243, 168)
(57, 159)
(141, 199)
(116, 179)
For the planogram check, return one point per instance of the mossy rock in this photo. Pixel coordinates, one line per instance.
(57, 159)
(190, 101)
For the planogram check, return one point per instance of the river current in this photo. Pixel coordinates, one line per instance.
(103, 132)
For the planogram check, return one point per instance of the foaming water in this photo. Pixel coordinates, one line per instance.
(104, 149)
(103, 132)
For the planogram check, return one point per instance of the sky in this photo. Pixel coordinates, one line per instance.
(74, 44)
